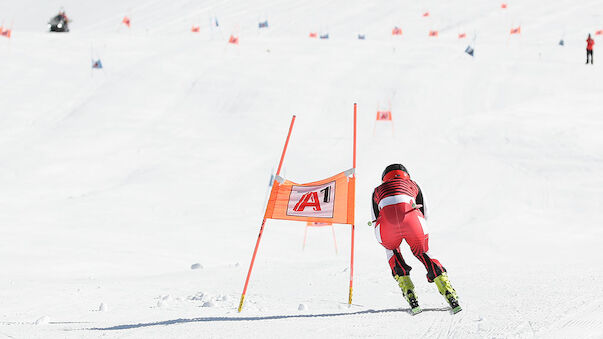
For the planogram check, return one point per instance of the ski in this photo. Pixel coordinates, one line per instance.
(416, 310)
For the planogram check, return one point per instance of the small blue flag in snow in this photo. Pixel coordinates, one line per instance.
(324, 36)
(361, 37)
(97, 64)
(216, 22)
(263, 24)
(561, 42)
(469, 50)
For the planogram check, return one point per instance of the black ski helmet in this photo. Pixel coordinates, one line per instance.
(393, 167)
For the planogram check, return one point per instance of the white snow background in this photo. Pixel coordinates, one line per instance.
(114, 182)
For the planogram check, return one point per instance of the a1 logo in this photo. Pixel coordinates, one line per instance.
(312, 201)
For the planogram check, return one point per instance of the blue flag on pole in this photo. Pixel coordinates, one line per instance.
(469, 50)
(263, 24)
(97, 64)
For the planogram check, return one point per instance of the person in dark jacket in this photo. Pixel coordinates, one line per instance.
(399, 214)
(589, 49)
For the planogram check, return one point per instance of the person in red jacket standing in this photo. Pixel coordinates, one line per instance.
(399, 214)
(589, 49)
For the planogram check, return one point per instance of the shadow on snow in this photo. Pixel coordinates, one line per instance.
(272, 317)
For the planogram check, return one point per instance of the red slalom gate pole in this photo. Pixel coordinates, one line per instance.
(353, 226)
(257, 244)
(280, 164)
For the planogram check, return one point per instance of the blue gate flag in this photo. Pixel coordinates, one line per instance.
(469, 50)
(97, 64)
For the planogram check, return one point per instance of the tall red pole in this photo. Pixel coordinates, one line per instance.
(257, 244)
(353, 226)
(280, 164)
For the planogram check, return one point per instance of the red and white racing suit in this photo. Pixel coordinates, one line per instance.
(399, 209)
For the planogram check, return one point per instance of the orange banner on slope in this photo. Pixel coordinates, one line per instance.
(5, 33)
(327, 201)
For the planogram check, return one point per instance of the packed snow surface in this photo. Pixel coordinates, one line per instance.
(114, 183)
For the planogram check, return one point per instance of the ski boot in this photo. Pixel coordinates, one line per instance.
(408, 290)
(448, 292)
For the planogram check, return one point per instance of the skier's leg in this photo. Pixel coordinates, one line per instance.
(418, 240)
(389, 236)
(400, 271)
(396, 263)
(433, 266)
(445, 289)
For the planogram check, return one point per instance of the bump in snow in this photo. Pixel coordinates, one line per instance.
(199, 296)
(209, 303)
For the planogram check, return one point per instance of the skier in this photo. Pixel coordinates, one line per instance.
(399, 213)
(589, 49)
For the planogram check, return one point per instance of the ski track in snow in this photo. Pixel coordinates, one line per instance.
(115, 182)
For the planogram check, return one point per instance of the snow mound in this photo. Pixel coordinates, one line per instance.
(223, 297)
(199, 296)
(209, 303)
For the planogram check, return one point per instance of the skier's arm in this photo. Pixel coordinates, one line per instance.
(419, 201)
(375, 209)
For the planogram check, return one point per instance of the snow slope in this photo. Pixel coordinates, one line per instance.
(114, 182)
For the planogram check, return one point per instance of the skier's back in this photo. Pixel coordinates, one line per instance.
(398, 211)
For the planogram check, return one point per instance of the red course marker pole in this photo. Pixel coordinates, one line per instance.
(353, 226)
(257, 244)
